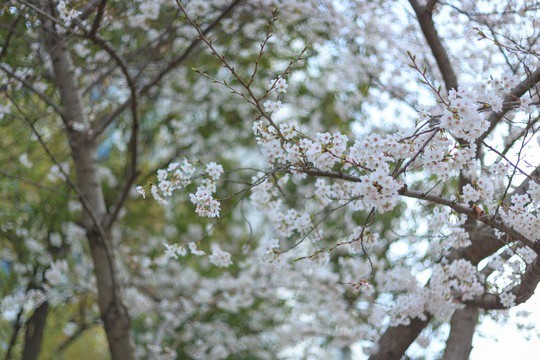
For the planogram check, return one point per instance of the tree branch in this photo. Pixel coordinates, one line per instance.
(132, 171)
(396, 340)
(430, 5)
(462, 326)
(170, 66)
(460, 208)
(13, 340)
(530, 82)
(424, 16)
(523, 291)
(467, 210)
(88, 8)
(484, 243)
(40, 94)
(12, 31)
(98, 18)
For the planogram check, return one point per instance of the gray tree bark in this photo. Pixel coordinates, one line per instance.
(88, 186)
(396, 340)
(462, 326)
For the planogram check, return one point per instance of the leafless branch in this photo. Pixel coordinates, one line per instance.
(39, 93)
(12, 31)
(98, 18)
(37, 185)
(132, 171)
(170, 66)
(440, 54)
(71, 183)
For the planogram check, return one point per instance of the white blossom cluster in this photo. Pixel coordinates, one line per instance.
(461, 116)
(507, 299)
(377, 189)
(207, 206)
(66, 12)
(528, 255)
(443, 158)
(219, 257)
(520, 215)
(285, 220)
(281, 86)
(176, 250)
(57, 273)
(446, 231)
(177, 176)
(268, 250)
(458, 279)
(486, 187)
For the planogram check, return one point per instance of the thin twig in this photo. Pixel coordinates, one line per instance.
(170, 66)
(37, 185)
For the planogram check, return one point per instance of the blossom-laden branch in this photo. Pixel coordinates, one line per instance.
(529, 83)
(514, 296)
(250, 97)
(365, 180)
(467, 210)
(454, 205)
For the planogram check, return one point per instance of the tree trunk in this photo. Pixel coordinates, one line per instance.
(83, 150)
(34, 332)
(462, 326)
(396, 340)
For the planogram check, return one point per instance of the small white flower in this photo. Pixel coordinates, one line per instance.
(162, 175)
(220, 258)
(157, 196)
(267, 106)
(140, 190)
(194, 250)
(470, 194)
(276, 105)
(214, 170)
(281, 85)
(272, 106)
(527, 254)
(507, 299)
